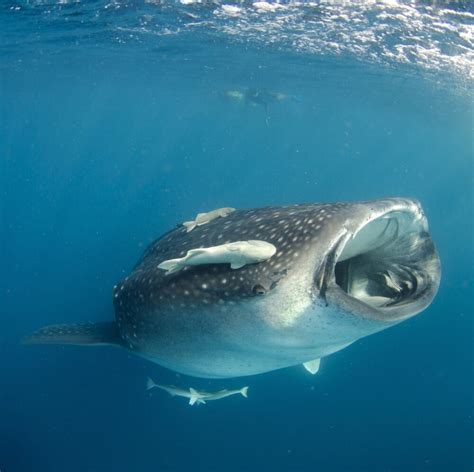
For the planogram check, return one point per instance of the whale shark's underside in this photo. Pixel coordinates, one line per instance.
(340, 272)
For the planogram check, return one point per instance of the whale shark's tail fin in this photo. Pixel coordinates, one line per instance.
(82, 334)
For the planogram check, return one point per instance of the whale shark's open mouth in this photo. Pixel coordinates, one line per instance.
(390, 265)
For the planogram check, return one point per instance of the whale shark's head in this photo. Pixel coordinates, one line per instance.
(378, 261)
(340, 272)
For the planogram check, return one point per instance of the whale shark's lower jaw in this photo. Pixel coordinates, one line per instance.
(387, 268)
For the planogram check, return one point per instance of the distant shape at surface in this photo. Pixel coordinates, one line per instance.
(341, 271)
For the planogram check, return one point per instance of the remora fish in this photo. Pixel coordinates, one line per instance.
(196, 396)
(203, 218)
(193, 395)
(341, 272)
(237, 254)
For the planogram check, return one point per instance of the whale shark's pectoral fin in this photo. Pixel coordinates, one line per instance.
(312, 366)
(81, 334)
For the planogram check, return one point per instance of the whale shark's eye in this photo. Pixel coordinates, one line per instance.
(259, 290)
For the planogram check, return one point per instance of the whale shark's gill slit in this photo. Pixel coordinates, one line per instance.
(325, 271)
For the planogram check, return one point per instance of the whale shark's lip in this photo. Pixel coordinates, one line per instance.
(382, 265)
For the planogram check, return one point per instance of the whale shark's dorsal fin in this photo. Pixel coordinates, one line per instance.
(82, 334)
(312, 366)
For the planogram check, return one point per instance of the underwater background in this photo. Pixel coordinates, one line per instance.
(121, 119)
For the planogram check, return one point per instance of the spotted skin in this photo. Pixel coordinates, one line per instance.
(148, 295)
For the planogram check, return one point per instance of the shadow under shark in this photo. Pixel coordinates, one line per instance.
(341, 271)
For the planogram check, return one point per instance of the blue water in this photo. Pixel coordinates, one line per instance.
(116, 124)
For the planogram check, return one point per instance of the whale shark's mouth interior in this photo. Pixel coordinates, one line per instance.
(390, 263)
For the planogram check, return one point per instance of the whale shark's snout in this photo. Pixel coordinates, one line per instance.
(333, 273)
(382, 263)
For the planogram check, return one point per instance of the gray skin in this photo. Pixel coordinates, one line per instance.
(341, 272)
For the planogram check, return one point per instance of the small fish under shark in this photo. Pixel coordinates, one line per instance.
(196, 396)
(340, 272)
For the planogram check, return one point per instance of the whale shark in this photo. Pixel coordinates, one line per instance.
(341, 271)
